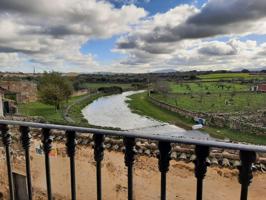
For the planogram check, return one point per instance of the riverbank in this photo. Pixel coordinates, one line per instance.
(140, 104)
(70, 113)
(74, 111)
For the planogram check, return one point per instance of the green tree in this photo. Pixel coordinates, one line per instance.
(53, 89)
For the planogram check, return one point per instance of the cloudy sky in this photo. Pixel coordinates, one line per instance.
(132, 35)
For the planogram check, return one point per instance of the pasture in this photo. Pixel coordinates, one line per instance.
(207, 87)
(230, 76)
(218, 102)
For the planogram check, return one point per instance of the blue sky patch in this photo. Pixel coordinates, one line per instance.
(102, 49)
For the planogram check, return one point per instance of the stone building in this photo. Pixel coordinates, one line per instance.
(25, 91)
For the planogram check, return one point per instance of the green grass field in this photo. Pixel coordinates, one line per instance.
(223, 102)
(47, 112)
(75, 110)
(50, 114)
(139, 103)
(229, 76)
(212, 87)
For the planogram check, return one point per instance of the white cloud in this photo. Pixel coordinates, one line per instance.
(50, 34)
(177, 39)
(216, 48)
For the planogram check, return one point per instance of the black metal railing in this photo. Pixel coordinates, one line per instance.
(202, 149)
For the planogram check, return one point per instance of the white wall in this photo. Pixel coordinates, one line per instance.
(1, 106)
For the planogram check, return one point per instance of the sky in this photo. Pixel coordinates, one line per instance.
(132, 36)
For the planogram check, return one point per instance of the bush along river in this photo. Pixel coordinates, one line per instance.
(113, 111)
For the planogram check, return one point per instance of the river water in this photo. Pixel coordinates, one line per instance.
(113, 111)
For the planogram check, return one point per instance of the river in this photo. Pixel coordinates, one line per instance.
(113, 111)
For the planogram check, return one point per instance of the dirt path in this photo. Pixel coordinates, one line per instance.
(66, 110)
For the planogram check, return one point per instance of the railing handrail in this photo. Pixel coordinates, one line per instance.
(165, 138)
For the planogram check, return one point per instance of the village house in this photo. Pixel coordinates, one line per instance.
(259, 88)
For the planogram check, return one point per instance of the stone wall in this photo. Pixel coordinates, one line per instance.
(180, 152)
(222, 120)
(234, 122)
(184, 113)
(26, 91)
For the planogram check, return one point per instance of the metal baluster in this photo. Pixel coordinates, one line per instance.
(71, 147)
(98, 157)
(25, 140)
(129, 161)
(245, 172)
(6, 139)
(164, 158)
(202, 152)
(47, 147)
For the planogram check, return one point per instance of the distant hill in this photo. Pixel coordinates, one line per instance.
(251, 70)
(164, 71)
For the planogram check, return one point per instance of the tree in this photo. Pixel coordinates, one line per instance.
(53, 88)
(162, 87)
(245, 71)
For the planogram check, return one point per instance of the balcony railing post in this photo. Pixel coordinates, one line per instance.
(245, 172)
(129, 161)
(47, 147)
(25, 140)
(164, 159)
(71, 148)
(98, 157)
(6, 139)
(202, 152)
(202, 149)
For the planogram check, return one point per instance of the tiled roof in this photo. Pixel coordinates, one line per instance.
(262, 87)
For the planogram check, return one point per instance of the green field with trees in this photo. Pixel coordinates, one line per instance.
(56, 105)
(207, 87)
(222, 102)
(230, 76)
(48, 112)
(140, 104)
(209, 96)
(198, 92)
